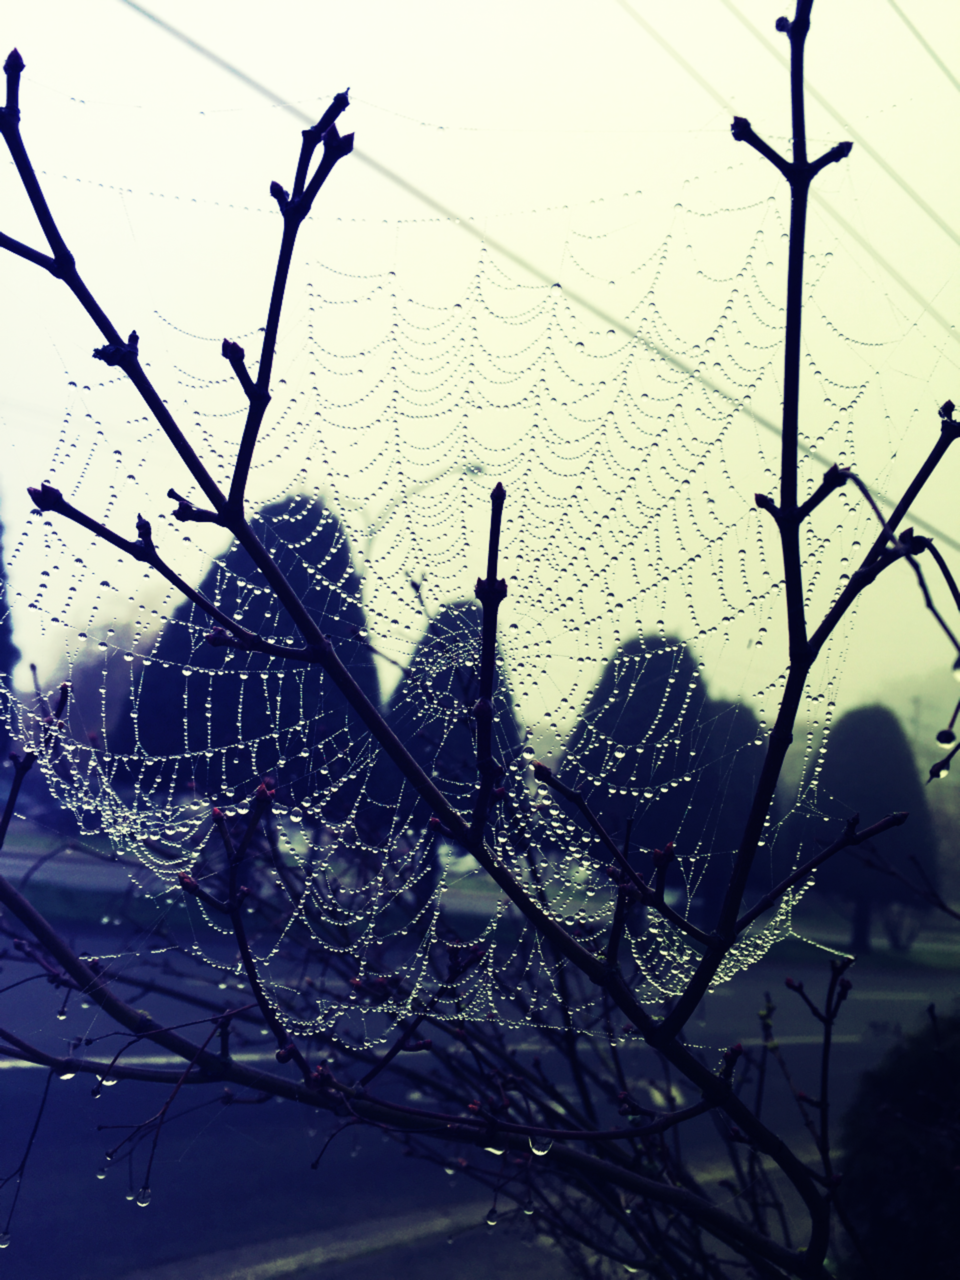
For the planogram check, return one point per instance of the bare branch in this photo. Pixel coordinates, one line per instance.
(743, 131)
(234, 353)
(949, 431)
(925, 592)
(647, 895)
(491, 590)
(849, 839)
(834, 478)
(21, 767)
(835, 154)
(294, 211)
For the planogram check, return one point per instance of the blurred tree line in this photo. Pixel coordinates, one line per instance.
(657, 759)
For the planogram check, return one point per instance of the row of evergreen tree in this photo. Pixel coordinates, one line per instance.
(652, 752)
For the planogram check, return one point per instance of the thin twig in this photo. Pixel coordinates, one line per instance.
(849, 838)
(491, 591)
(646, 893)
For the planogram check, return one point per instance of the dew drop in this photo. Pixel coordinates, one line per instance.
(143, 1197)
(492, 1218)
(540, 1145)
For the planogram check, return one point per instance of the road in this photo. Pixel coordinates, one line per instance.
(230, 1177)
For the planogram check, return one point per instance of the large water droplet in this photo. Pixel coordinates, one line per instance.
(143, 1197)
(540, 1145)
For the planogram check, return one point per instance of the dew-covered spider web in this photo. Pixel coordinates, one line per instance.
(641, 649)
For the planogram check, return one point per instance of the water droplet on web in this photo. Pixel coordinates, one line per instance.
(492, 1218)
(143, 1197)
(540, 1145)
(4, 1239)
(101, 1174)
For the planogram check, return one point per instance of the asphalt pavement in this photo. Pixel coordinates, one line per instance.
(234, 1193)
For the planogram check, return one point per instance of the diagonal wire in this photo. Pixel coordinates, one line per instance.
(937, 316)
(845, 124)
(925, 44)
(471, 228)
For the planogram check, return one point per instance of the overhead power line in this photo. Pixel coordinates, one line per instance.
(848, 128)
(935, 315)
(468, 226)
(924, 44)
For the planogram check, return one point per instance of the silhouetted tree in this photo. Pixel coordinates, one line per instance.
(652, 749)
(901, 1144)
(869, 770)
(243, 716)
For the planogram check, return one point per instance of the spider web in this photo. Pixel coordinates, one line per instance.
(640, 648)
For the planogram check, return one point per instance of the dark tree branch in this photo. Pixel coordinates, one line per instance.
(126, 355)
(491, 591)
(742, 131)
(620, 907)
(234, 353)
(604, 1173)
(925, 592)
(21, 767)
(38, 259)
(949, 431)
(944, 569)
(834, 478)
(646, 893)
(850, 838)
(293, 211)
(835, 154)
(287, 1051)
(837, 993)
(187, 511)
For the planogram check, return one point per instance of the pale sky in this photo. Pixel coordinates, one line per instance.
(573, 137)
